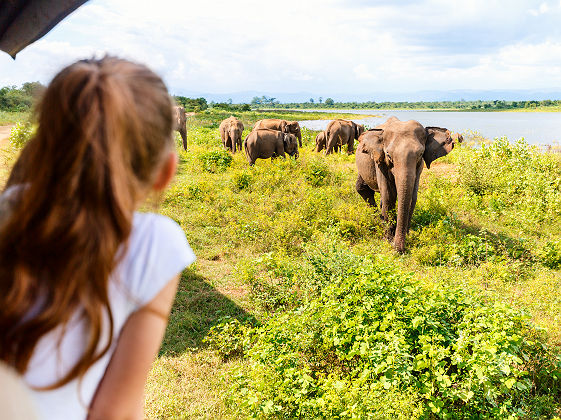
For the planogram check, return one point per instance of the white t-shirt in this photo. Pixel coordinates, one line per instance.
(157, 252)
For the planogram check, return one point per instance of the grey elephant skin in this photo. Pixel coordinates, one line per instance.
(265, 143)
(389, 160)
(180, 124)
(341, 132)
(281, 125)
(231, 130)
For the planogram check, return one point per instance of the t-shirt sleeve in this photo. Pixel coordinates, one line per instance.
(158, 251)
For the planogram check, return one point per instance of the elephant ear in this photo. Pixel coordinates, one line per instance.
(372, 144)
(359, 130)
(356, 132)
(284, 127)
(439, 143)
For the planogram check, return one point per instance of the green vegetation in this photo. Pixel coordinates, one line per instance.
(19, 99)
(212, 117)
(20, 133)
(8, 117)
(495, 105)
(298, 308)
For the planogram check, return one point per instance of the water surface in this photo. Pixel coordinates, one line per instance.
(538, 128)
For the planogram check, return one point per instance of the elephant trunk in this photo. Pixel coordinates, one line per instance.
(405, 185)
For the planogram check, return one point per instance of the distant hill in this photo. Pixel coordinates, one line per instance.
(427, 96)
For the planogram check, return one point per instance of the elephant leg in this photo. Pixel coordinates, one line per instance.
(365, 191)
(183, 133)
(328, 148)
(388, 199)
(414, 198)
(351, 145)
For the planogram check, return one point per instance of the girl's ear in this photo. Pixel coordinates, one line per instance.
(167, 171)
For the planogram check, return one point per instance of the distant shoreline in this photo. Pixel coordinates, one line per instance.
(374, 110)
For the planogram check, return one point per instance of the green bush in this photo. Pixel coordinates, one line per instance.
(317, 172)
(370, 334)
(550, 255)
(216, 161)
(229, 338)
(20, 134)
(514, 182)
(242, 180)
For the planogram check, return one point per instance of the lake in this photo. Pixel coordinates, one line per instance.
(538, 128)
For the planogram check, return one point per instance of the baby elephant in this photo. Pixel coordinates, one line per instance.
(231, 133)
(320, 142)
(264, 143)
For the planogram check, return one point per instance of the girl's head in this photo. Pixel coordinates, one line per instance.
(102, 123)
(103, 142)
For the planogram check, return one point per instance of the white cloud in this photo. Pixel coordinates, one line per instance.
(315, 45)
(542, 9)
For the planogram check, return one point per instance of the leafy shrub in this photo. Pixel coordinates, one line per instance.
(216, 161)
(242, 180)
(229, 338)
(20, 134)
(550, 255)
(371, 333)
(274, 282)
(514, 182)
(447, 242)
(316, 172)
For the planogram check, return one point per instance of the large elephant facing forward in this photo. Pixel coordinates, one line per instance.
(231, 130)
(342, 132)
(264, 143)
(180, 124)
(389, 160)
(281, 125)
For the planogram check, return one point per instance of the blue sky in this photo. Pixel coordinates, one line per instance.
(317, 46)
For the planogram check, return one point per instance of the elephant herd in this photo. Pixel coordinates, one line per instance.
(269, 138)
(265, 142)
(389, 158)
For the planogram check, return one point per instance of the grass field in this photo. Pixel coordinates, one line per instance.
(271, 239)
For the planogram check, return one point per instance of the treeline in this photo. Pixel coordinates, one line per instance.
(463, 105)
(13, 98)
(200, 104)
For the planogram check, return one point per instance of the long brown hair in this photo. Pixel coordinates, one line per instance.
(104, 126)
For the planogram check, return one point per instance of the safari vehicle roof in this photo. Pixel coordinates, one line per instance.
(23, 22)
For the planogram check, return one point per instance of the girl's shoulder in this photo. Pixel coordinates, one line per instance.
(157, 251)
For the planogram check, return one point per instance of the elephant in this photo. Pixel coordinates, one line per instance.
(457, 137)
(265, 143)
(180, 124)
(320, 142)
(341, 132)
(389, 160)
(281, 125)
(231, 130)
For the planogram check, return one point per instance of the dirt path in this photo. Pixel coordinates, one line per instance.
(4, 133)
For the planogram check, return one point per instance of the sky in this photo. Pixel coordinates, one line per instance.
(322, 47)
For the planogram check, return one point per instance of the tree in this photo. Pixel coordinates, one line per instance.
(329, 102)
(190, 104)
(311, 100)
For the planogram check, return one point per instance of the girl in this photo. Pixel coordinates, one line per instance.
(87, 283)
